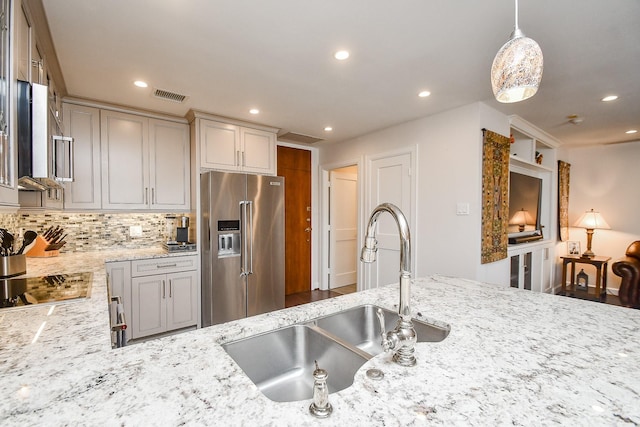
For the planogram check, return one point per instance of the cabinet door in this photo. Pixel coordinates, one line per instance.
(125, 160)
(219, 145)
(182, 309)
(169, 165)
(149, 307)
(119, 282)
(83, 125)
(258, 151)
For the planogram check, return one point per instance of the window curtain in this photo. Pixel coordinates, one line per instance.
(563, 200)
(495, 196)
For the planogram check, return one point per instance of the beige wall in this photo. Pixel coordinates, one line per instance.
(607, 179)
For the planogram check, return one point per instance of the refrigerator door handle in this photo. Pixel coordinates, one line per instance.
(243, 238)
(250, 269)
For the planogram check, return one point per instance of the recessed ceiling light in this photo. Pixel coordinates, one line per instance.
(140, 83)
(610, 98)
(424, 94)
(630, 131)
(328, 129)
(341, 55)
(254, 111)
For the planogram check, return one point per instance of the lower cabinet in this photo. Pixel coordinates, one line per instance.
(163, 302)
(159, 294)
(531, 267)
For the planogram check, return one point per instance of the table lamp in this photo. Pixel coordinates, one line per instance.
(591, 220)
(521, 218)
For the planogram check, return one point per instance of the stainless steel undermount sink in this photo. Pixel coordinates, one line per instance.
(359, 326)
(281, 362)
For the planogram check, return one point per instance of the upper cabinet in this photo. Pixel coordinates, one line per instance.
(169, 169)
(83, 124)
(234, 146)
(145, 162)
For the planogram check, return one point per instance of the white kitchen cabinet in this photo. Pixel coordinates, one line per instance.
(163, 302)
(230, 147)
(169, 165)
(145, 162)
(83, 125)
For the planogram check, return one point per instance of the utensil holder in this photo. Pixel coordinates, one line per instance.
(38, 250)
(12, 265)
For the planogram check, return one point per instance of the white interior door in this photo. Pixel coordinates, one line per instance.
(390, 181)
(344, 227)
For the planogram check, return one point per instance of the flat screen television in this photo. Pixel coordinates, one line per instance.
(525, 193)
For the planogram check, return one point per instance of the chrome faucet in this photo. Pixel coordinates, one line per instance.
(402, 339)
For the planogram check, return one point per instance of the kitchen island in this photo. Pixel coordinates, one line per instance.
(512, 357)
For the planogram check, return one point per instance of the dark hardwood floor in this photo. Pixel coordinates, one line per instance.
(316, 295)
(582, 294)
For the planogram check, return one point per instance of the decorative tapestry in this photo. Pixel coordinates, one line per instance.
(495, 196)
(563, 200)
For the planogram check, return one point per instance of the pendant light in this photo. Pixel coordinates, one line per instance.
(517, 68)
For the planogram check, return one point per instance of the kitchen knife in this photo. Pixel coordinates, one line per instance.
(47, 231)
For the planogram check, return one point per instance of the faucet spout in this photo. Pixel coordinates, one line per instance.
(403, 338)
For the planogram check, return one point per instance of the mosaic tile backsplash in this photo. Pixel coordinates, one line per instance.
(93, 231)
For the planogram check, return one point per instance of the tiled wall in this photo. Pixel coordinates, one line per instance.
(93, 231)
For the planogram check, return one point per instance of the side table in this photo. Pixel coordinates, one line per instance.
(599, 262)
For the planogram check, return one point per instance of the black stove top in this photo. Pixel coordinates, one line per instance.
(20, 292)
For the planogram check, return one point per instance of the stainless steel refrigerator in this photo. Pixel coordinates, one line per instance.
(242, 237)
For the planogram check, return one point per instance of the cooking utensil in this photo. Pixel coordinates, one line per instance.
(28, 241)
(7, 243)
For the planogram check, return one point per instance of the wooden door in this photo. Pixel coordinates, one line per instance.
(295, 166)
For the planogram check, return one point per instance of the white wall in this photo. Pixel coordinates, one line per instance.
(607, 179)
(449, 172)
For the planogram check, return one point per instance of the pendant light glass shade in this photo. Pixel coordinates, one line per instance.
(517, 68)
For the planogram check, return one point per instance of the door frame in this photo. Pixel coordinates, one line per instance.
(325, 170)
(315, 210)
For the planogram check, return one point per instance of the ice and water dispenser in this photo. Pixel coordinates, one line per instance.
(228, 238)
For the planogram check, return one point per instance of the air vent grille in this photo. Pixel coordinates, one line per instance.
(298, 137)
(169, 96)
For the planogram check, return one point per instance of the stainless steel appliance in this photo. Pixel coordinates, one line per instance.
(42, 163)
(242, 245)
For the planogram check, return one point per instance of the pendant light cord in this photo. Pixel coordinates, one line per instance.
(516, 14)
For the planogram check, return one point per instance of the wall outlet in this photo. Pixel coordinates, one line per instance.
(462, 209)
(135, 231)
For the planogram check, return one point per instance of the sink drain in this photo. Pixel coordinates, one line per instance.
(375, 374)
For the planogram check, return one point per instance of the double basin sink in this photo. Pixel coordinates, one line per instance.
(281, 362)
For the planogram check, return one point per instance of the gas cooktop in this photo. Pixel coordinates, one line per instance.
(20, 292)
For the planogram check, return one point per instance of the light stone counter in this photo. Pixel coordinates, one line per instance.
(512, 358)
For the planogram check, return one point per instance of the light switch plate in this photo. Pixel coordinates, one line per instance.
(135, 231)
(462, 209)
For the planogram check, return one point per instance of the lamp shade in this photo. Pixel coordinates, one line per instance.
(517, 69)
(522, 217)
(592, 220)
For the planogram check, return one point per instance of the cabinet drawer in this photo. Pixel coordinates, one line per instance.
(145, 267)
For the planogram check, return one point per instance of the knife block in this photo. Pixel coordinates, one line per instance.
(38, 250)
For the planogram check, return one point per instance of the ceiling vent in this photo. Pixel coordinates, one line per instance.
(169, 96)
(297, 137)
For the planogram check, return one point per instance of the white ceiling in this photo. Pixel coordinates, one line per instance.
(231, 55)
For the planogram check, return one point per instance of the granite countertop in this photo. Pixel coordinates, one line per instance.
(512, 357)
